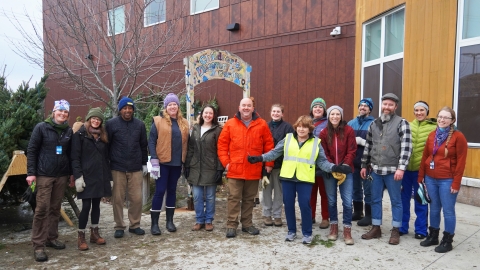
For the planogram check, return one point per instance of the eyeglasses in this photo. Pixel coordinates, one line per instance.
(95, 119)
(444, 118)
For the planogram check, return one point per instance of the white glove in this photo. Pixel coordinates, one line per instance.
(80, 184)
(144, 170)
(265, 182)
(111, 184)
(155, 170)
(360, 141)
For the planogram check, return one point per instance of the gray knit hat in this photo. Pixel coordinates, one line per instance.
(329, 110)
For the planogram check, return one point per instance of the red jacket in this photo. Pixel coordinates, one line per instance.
(451, 166)
(340, 150)
(237, 141)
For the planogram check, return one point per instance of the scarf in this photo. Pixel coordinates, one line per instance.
(440, 137)
(59, 128)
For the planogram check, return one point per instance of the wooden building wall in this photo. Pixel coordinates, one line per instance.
(429, 56)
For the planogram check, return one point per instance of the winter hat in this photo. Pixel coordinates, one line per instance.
(367, 101)
(124, 102)
(423, 104)
(391, 96)
(95, 112)
(318, 101)
(61, 105)
(171, 97)
(335, 107)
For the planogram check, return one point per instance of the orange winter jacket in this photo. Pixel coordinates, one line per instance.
(236, 142)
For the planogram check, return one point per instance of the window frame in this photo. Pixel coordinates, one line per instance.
(460, 43)
(193, 7)
(382, 59)
(145, 10)
(109, 33)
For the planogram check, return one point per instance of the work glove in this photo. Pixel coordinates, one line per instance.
(360, 141)
(80, 184)
(155, 171)
(218, 177)
(255, 159)
(265, 182)
(186, 172)
(144, 170)
(342, 168)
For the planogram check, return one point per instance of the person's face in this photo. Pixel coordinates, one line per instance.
(172, 109)
(335, 117)
(388, 106)
(207, 115)
(302, 132)
(95, 122)
(127, 113)
(317, 111)
(444, 119)
(276, 113)
(246, 108)
(363, 109)
(420, 113)
(60, 116)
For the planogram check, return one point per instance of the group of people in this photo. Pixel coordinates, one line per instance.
(319, 153)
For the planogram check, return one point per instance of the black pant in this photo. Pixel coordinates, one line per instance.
(95, 215)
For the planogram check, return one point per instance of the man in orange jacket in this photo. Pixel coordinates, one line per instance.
(243, 135)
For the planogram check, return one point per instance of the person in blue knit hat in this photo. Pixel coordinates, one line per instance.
(361, 187)
(128, 161)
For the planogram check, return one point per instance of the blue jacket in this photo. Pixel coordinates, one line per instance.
(360, 125)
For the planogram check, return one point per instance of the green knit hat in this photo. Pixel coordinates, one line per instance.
(318, 101)
(97, 112)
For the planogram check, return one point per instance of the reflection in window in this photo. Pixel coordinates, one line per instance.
(154, 12)
(116, 21)
(471, 19)
(373, 34)
(394, 32)
(198, 6)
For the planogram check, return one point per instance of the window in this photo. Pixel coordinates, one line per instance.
(154, 12)
(382, 57)
(116, 21)
(467, 70)
(198, 6)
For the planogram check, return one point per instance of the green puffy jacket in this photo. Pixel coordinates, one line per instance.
(420, 132)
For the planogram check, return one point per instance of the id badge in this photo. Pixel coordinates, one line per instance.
(59, 150)
(432, 165)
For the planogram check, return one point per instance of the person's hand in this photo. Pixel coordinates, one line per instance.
(186, 172)
(72, 181)
(398, 175)
(218, 177)
(155, 171)
(144, 170)
(80, 184)
(342, 168)
(265, 182)
(360, 141)
(363, 173)
(453, 191)
(255, 159)
(111, 184)
(265, 172)
(269, 170)
(30, 179)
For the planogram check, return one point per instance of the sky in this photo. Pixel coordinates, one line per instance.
(18, 69)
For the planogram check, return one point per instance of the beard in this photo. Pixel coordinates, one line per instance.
(386, 117)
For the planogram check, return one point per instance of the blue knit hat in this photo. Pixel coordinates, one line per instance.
(318, 101)
(61, 105)
(171, 97)
(367, 101)
(124, 102)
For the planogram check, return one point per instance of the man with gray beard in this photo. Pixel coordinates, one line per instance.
(387, 152)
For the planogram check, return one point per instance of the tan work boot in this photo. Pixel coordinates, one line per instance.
(95, 237)
(347, 235)
(324, 224)
(394, 237)
(267, 221)
(375, 232)
(277, 222)
(82, 244)
(333, 232)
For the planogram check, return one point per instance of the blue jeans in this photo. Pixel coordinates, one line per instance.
(409, 181)
(439, 191)
(168, 181)
(361, 188)
(346, 189)
(204, 202)
(394, 191)
(303, 190)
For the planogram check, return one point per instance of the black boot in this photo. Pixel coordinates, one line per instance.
(446, 244)
(367, 219)
(154, 229)
(170, 226)
(432, 238)
(357, 211)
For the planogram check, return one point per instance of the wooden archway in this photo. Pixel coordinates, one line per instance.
(214, 65)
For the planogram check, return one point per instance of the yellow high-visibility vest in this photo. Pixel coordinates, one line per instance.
(299, 161)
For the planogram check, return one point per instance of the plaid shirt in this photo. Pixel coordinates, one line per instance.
(405, 150)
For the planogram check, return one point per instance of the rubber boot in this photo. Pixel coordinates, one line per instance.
(357, 211)
(95, 237)
(82, 244)
(154, 229)
(367, 219)
(446, 243)
(432, 237)
(170, 226)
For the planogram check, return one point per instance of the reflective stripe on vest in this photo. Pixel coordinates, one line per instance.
(300, 162)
